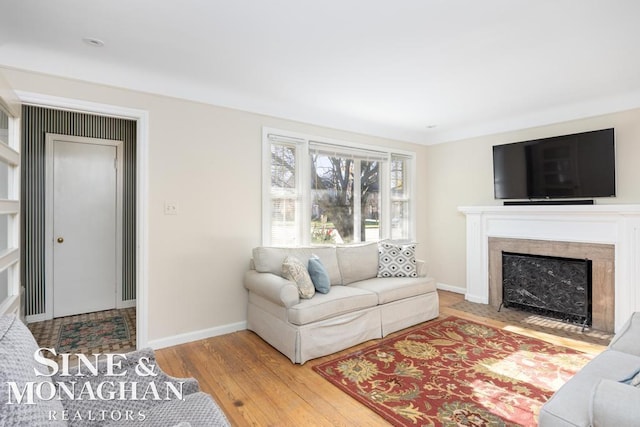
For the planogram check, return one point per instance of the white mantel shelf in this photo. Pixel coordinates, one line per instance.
(611, 224)
(579, 209)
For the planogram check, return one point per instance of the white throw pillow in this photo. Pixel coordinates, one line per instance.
(358, 262)
(293, 269)
(396, 260)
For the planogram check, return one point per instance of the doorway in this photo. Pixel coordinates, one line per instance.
(45, 113)
(37, 260)
(84, 211)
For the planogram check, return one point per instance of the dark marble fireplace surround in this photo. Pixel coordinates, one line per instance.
(557, 287)
(602, 271)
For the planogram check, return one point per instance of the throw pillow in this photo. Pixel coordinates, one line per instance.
(396, 260)
(293, 269)
(319, 275)
(357, 262)
(635, 381)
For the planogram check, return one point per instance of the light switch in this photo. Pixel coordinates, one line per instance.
(170, 208)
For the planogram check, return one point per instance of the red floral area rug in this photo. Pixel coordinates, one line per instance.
(455, 372)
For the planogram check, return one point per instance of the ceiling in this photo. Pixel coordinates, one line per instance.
(424, 71)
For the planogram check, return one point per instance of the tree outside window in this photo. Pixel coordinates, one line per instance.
(345, 199)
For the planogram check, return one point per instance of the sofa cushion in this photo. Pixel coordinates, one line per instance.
(319, 275)
(341, 300)
(357, 262)
(269, 259)
(17, 364)
(396, 260)
(614, 404)
(296, 271)
(396, 288)
(570, 405)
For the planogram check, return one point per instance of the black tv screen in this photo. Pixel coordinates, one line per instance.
(568, 166)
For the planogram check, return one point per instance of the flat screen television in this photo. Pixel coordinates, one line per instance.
(580, 165)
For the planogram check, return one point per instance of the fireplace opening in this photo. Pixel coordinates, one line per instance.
(551, 286)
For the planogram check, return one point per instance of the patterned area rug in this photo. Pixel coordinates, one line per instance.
(48, 332)
(455, 372)
(92, 333)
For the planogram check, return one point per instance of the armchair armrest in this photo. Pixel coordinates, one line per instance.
(615, 404)
(627, 340)
(135, 383)
(272, 287)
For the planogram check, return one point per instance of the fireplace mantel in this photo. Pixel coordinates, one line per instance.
(612, 224)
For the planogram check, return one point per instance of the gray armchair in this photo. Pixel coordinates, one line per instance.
(131, 392)
(600, 394)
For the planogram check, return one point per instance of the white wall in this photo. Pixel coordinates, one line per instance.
(461, 174)
(208, 160)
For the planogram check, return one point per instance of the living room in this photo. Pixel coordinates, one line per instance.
(206, 158)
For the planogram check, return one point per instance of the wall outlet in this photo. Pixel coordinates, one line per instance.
(170, 208)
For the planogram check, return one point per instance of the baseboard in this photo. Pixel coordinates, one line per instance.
(127, 304)
(43, 316)
(37, 318)
(476, 299)
(197, 335)
(451, 288)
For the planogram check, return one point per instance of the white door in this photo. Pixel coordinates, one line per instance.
(84, 224)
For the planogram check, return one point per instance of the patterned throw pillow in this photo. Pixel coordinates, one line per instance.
(294, 269)
(396, 260)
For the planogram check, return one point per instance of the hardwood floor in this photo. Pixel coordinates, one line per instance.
(257, 386)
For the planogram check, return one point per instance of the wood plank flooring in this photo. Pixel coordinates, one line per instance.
(257, 386)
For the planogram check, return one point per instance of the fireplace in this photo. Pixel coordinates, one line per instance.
(609, 235)
(552, 286)
(601, 269)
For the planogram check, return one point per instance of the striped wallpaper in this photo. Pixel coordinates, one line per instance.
(36, 123)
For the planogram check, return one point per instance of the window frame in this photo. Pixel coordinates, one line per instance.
(303, 143)
(410, 199)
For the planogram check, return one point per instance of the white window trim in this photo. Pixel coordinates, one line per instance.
(10, 258)
(302, 141)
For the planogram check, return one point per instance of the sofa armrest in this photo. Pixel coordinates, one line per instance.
(615, 404)
(272, 287)
(421, 267)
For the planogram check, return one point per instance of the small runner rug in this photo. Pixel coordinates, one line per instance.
(455, 372)
(88, 334)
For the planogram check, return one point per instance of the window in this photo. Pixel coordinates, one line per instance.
(284, 206)
(400, 197)
(333, 192)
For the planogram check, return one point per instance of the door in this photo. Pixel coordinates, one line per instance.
(85, 228)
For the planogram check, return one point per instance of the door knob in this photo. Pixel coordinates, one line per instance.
(60, 240)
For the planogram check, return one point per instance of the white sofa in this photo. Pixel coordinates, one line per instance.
(601, 394)
(359, 306)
